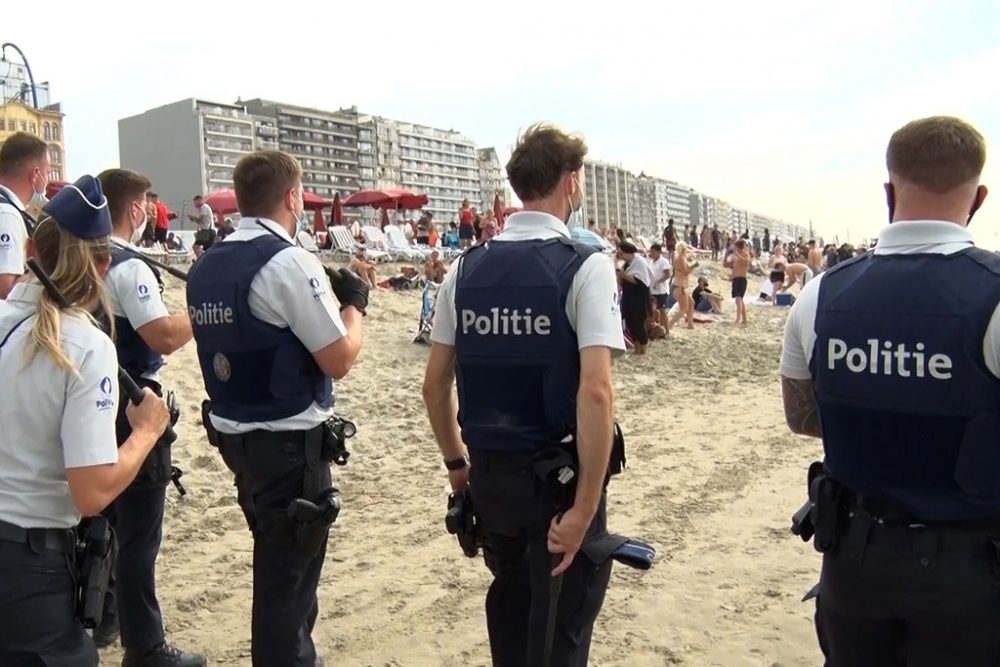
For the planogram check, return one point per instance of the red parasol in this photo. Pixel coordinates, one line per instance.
(337, 215)
(498, 211)
(222, 202)
(387, 199)
(313, 202)
(385, 218)
(319, 222)
(510, 210)
(54, 187)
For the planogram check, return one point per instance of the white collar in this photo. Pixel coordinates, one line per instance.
(525, 223)
(14, 199)
(932, 236)
(25, 293)
(266, 225)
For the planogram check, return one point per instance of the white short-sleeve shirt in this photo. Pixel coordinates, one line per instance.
(13, 235)
(899, 238)
(661, 276)
(642, 269)
(134, 293)
(291, 291)
(205, 217)
(591, 306)
(52, 419)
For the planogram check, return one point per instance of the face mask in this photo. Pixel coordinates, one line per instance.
(138, 230)
(574, 219)
(300, 224)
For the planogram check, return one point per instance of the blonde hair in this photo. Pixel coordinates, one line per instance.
(681, 248)
(74, 265)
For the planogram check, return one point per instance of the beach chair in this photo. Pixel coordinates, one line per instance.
(399, 246)
(375, 239)
(345, 247)
(306, 241)
(427, 304)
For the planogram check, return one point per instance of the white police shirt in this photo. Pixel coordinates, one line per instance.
(661, 276)
(13, 235)
(281, 294)
(591, 306)
(899, 238)
(134, 294)
(52, 419)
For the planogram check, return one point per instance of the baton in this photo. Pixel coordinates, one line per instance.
(132, 390)
(175, 272)
(555, 590)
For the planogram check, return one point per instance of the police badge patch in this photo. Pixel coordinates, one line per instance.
(220, 364)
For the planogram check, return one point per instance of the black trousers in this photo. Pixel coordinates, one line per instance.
(269, 470)
(635, 310)
(910, 597)
(38, 625)
(137, 516)
(515, 516)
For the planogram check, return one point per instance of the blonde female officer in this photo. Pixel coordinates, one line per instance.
(58, 456)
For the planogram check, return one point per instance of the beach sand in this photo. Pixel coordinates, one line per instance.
(713, 479)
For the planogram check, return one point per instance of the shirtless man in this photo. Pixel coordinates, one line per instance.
(795, 272)
(815, 258)
(740, 261)
(361, 266)
(434, 268)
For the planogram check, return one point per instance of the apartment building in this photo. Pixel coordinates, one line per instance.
(326, 143)
(188, 147)
(45, 123)
(443, 164)
(492, 178)
(610, 195)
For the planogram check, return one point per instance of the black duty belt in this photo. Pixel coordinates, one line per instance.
(275, 436)
(885, 513)
(62, 540)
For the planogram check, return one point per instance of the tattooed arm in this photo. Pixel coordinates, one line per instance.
(800, 407)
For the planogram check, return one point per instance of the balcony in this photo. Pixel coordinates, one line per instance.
(232, 146)
(266, 130)
(292, 122)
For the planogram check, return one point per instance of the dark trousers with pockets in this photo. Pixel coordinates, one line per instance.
(515, 516)
(900, 596)
(137, 517)
(269, 471)
(38, 625)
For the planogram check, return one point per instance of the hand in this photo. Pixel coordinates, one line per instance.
(459, 479)
(152, 415)
(349, 288)
(566, 535)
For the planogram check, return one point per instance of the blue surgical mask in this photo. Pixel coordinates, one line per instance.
(300, 224)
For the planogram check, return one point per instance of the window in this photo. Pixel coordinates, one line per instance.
(48, 131)
(12, 125)
(54, 155)
(33, 128)
(55, 132)
(24, 126)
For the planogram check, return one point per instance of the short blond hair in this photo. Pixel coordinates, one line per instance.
(938, 153)
(262, 179)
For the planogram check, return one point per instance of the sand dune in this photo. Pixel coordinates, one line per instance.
(713, 478)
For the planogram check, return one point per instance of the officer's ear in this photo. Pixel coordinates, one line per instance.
(890, 199)
(981, 193)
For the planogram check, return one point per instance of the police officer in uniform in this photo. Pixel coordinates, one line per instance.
(528, 324)
(893, 359)
(24, 169)
(58, 456)
(271, 329)
(144, 333)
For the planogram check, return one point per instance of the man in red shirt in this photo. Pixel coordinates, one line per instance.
(466, 224)
(162, 219)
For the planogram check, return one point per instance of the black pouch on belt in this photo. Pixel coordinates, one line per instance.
(210, 432)
(825, 494)
(555, 471)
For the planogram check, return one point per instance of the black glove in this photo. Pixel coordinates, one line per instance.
(349, 288)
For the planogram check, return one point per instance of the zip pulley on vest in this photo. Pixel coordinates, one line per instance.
(132, 390)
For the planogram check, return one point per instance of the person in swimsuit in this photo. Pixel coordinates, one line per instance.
(740, 260)
(683, 267)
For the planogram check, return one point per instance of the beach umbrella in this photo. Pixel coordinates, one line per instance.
(498, 211)
(313, 202)
(387, 199)
(385, 218)
(319, 222)
(222, 202)
(337, 214)
(510, 210)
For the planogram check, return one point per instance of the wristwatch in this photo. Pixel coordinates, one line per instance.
(456, 464)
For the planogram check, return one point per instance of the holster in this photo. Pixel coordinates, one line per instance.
(825, 495)
(461, 522)
(97, 553)
(317, 510)
(157, 470)
(206, 421)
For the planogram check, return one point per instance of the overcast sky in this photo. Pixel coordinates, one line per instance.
(781, 107)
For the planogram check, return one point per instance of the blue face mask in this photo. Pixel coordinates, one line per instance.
(575, 218)
(300, 224)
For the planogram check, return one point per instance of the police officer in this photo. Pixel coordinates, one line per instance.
(144, 332)
(529, 323)
(58, 456)
(271, 329)
(893, 359)
(24, 169)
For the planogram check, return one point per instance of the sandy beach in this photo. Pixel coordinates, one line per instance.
(713, 478)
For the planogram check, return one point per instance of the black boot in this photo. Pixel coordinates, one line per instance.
(163, 655)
